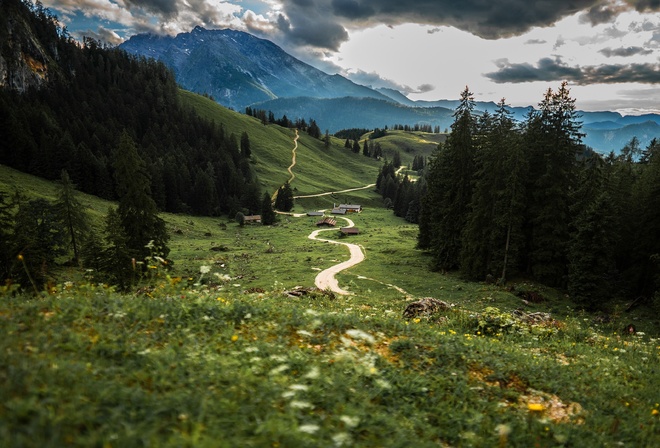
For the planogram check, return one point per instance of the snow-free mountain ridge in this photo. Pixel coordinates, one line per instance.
(238, 70)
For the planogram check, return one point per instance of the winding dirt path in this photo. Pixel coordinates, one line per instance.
(293, 157)
(326, 279)
(293, 163)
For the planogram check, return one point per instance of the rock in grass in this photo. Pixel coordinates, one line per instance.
(425, 307)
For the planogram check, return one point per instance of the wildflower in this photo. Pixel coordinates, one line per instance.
(20, 257)
(296, 404)
(279, 369)
(349, 421)
(383, 384)
(655, 412)
(342, 438)
(313, 373)
(359, 334)
(234, 338)
(535, 407)
(417, 320)
(309, 429)
(298, 387)
(204, 269)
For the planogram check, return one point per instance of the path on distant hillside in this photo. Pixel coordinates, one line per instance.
(327, 193)
(326, 279)
(333, 192)
(293, 158)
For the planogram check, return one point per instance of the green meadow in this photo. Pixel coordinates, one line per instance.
(218, 352)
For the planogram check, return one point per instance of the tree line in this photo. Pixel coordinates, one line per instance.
(501, 199)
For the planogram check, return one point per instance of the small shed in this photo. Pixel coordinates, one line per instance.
(350, 231)
(252, 218)
(330, 222)
(351, 208)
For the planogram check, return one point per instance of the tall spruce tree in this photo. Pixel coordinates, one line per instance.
(73, 215)
(284, 199)
(493, 238)
(445, 207)
(145, 231)
(267, 213)
(590, 255)
(553, 139)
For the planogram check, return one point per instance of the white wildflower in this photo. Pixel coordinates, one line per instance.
(222, 277)
(279, 369)
(341, 439)
(296, 387)
(311, 312)
(349, 421)
(359, 334)
(296, 404)
(251, 349)
(304, 333)
(309, 429)
(383, 384)
(288, 394)
(204, 269)
(313, 373)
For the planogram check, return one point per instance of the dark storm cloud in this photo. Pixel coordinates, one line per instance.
(602, 13)
(352, 9)
(165, 8)
(625, 51)
(489, 19)
(548, 69)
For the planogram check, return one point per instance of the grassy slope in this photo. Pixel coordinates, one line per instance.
(319, 170)
(218, 364)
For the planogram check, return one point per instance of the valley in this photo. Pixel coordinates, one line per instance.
(484, 285)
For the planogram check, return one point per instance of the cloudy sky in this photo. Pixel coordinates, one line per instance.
(608, 50)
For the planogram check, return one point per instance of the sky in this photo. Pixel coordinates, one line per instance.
(607, 50)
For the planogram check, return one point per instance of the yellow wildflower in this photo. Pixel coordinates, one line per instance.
(234, 338)
(655, 412)
(535, 407)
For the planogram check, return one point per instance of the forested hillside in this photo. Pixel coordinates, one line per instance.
(92, 95)
(501, 200)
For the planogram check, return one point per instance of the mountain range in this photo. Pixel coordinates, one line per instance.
(239, 70)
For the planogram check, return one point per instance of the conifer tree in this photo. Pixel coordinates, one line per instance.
(590, 253)
(246, 151)
(267, 212)
(326, 139)
(445, 207)
(284, 200)
(554, 139)
(137, 211)
(37, 240)
(6, 225)
(493, 234)
(73, 216)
